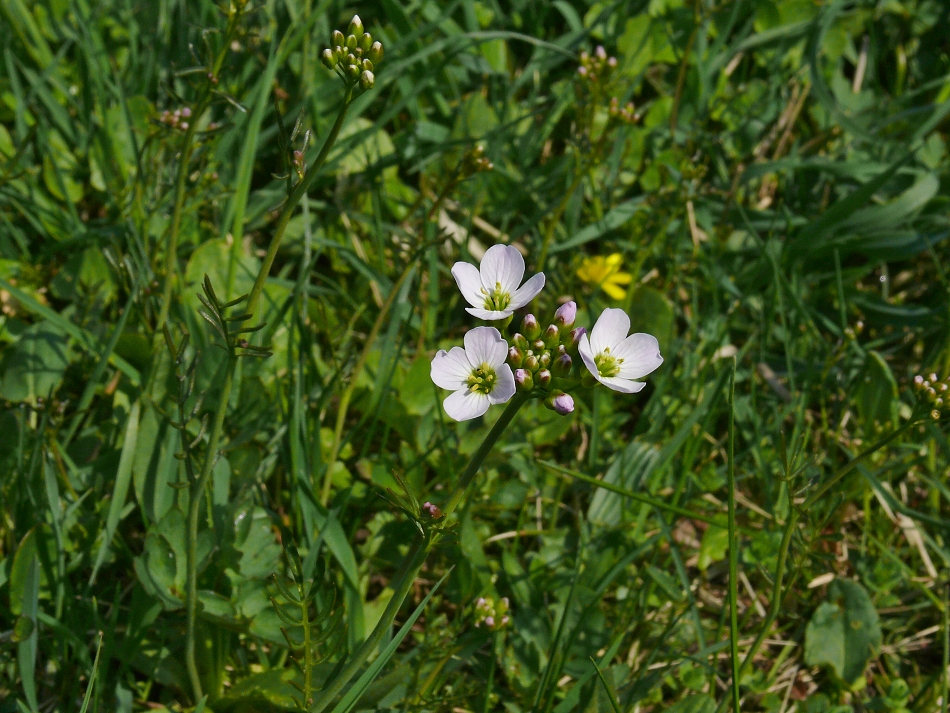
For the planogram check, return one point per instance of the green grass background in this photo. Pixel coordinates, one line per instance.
(780, 198)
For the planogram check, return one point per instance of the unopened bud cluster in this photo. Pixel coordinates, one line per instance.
(626, 114)
(490, 614)
(596, 66)
(475, 161)
(354, 56)
(177, 119)
(542, 358)
(936, 392)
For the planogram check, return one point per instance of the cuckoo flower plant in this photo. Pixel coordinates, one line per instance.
(494, 289)
(477, 374)
(615, 359)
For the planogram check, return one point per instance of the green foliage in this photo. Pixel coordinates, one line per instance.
(772, 177)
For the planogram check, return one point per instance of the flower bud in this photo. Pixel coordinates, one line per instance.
(337, 39)
(543, 377)
(551, 336)
(530, 363)
(932, 378)
(938, 402)
(356, 26)
(565, 316)
(328, 58)
(350, 59)
(560, 403)
(601, 52)
(367, 79)
(350, 42)
(520, 342)
(523, 380)
(918, 381)
(352, 71)
(576, 335)
(366, 41)
(375, 53)
(515, 357)
(935, 415)
(433, 511)
(530, 327)
(562, 365)
(544, 359)
(538, 345)
(367, 65)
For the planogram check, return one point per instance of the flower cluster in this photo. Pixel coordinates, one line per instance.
(177, 119)
(493, 616)
(626, 114)
(595, 66)
(542, 363)
(937, 392)
(355, 56)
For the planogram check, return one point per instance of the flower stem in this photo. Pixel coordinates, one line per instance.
(351, 387)
(415, 559)
(194, 508)
(517, 401)
(733, 546)
(293, 199)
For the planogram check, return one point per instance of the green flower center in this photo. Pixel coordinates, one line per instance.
(496, 300)
(606, 364)
(482, 380)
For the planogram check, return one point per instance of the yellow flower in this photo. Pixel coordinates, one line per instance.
(604, 272)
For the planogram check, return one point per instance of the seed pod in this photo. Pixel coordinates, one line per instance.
(367, 79)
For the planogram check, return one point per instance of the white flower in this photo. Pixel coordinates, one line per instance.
(477, 374)
(615, 359)
(492, 289)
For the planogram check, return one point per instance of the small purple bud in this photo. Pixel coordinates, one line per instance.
(186, 112)
(523, 380)
(515, 357)
(551, 336)
(561, 403)
(612, 62)
(530, 327)
(576, 335)
(562, 365)
(543, 378)
(565, 316)
(582, 70)
(431, 510)
(489, 621)
(601, 52)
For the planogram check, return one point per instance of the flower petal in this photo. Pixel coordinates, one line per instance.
(624, 386)
(465, 405)
(527, 292)
(611, 329)
(450, 370)
(484, 345)
(583, 348)
(469, 281)
(489, 315)
(504, 386)
(640, 353)
(503, 265)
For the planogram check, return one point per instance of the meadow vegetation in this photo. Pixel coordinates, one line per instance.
(227, 251)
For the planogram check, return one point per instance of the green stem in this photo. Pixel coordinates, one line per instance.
(293, 199)
(351, 387)
(415, 559)
(733, 546)
(194, 509)
(517, 401)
